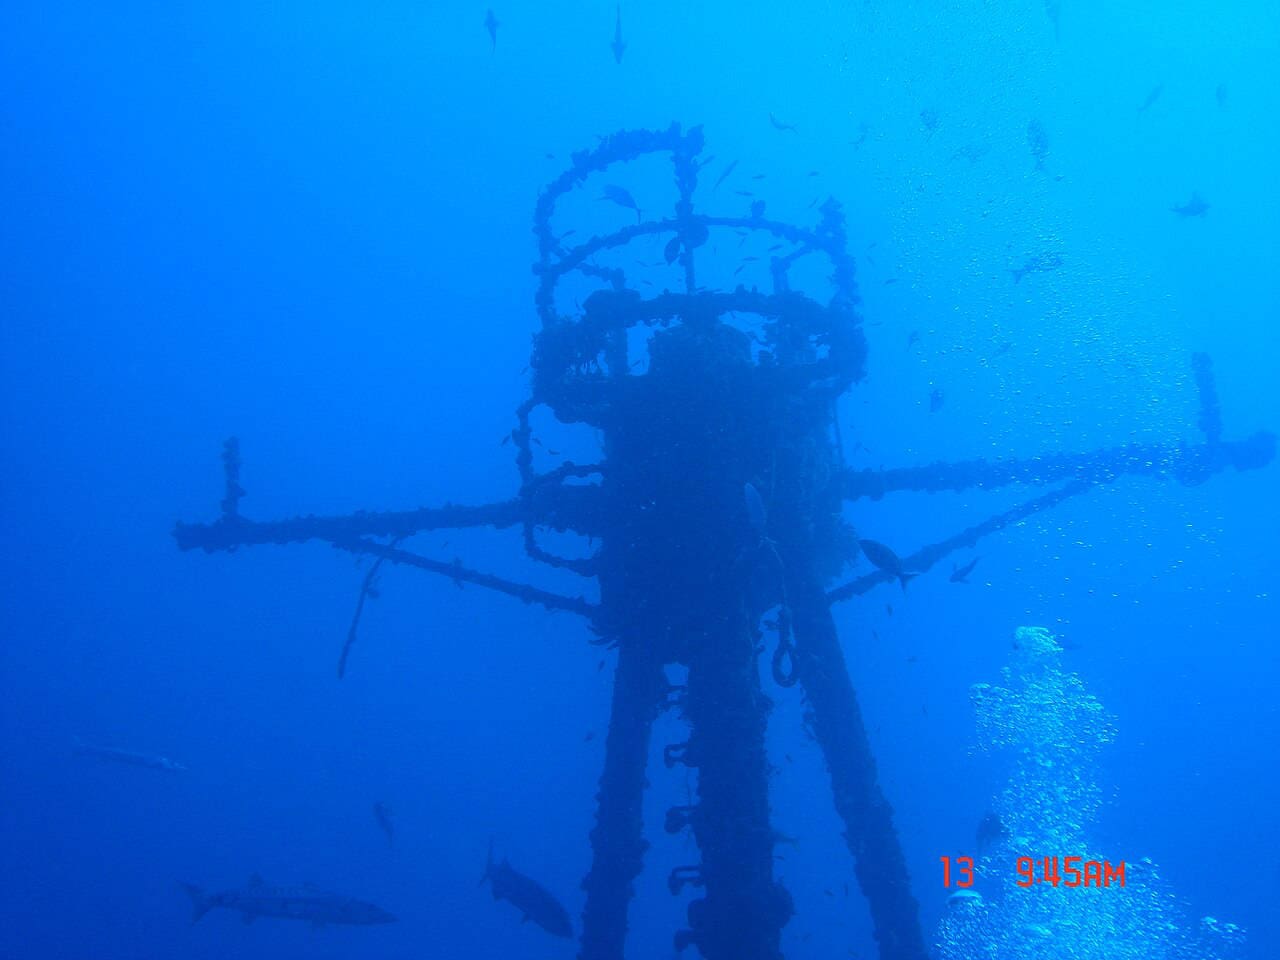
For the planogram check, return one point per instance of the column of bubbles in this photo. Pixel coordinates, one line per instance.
(1049, 730)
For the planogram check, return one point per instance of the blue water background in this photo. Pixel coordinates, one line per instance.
(308, 225)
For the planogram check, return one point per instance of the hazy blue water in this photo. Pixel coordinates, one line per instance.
(308, 225)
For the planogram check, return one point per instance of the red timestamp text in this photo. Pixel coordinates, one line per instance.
(1067, 871)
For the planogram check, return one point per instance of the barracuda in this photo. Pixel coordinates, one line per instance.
(301, 902)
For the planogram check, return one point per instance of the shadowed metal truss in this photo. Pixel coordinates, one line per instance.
(737, 387)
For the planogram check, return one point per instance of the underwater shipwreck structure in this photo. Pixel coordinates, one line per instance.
(687, 567)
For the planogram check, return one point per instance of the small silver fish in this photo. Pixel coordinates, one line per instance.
(622, 197)
(886, 560)
(528, 896)
(618, 47)
(130, 757)
(491, 24)
(1195, 207)
(1040, 263)
(382, 813)
(779, 125)
(725, 175)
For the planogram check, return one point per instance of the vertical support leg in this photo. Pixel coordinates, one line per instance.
(868, 818)
(743, 911)
(617, 841)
